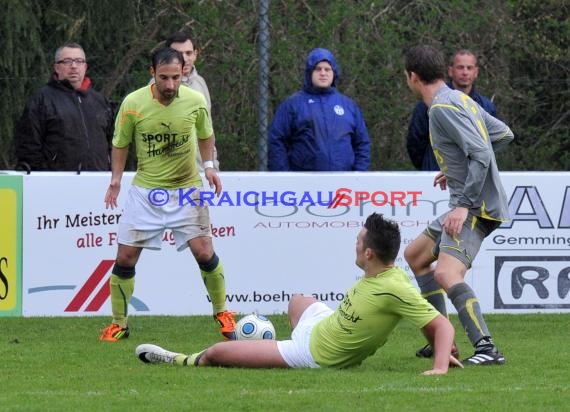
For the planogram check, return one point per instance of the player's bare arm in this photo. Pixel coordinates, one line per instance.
(118, 161)
(440, 334)
(206, 147)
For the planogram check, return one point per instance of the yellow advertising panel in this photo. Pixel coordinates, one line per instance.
(10, 245)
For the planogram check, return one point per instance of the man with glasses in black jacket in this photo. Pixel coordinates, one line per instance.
(66, 125)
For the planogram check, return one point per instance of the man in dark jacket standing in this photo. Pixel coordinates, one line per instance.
(462, 72)
(318, 128)
(66, 125)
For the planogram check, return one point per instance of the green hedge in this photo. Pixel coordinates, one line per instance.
(522, 46)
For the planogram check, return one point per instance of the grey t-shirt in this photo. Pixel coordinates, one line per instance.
(464, 137)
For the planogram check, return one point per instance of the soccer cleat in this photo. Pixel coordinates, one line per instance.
(427, 352)
(114, 332)
(485, 356)
(227, 324)
(149, 353)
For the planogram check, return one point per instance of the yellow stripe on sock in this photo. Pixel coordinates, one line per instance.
(469, 306)
(435, 292)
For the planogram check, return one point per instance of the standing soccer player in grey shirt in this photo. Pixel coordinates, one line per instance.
(464, 138)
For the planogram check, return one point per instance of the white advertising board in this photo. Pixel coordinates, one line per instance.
(270, 252)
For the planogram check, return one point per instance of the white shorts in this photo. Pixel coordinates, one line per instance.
(143, 223)
(296, 352)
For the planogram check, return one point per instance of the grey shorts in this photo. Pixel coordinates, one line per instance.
(467, 243)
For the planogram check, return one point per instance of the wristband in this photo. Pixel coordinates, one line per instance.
(209, 164)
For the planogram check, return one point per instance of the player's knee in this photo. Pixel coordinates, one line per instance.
(202, 249)
(295, 297)
(127, 257)
(438, 275)
(418, 261)
(443, 277)
(412, 257)
(409, 254)
(299, 300)
(297, 306)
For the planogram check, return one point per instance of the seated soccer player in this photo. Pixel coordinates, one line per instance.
(346, 336)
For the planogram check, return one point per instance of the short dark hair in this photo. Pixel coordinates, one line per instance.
(70, 45)
(166, 55)
(383, 237)
(427, 62)
(462, 52)
(179, 37)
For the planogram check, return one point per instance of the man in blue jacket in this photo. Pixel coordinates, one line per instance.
(318, 128)
(462, 72)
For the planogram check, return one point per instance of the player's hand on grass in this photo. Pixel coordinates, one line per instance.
(432, 372)
(454, 362)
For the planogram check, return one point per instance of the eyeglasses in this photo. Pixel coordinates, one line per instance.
(69, 62)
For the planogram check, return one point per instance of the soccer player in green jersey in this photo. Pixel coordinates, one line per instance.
(163, 120)
(463, 137)
(342, 338)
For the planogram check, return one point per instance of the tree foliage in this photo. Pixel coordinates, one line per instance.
(522, 47)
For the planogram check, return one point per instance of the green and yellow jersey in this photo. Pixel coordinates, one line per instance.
(369, 312)
(163, 136)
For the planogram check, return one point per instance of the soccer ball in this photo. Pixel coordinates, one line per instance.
(254, 326)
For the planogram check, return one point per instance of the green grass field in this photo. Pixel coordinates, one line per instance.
(50, 364)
